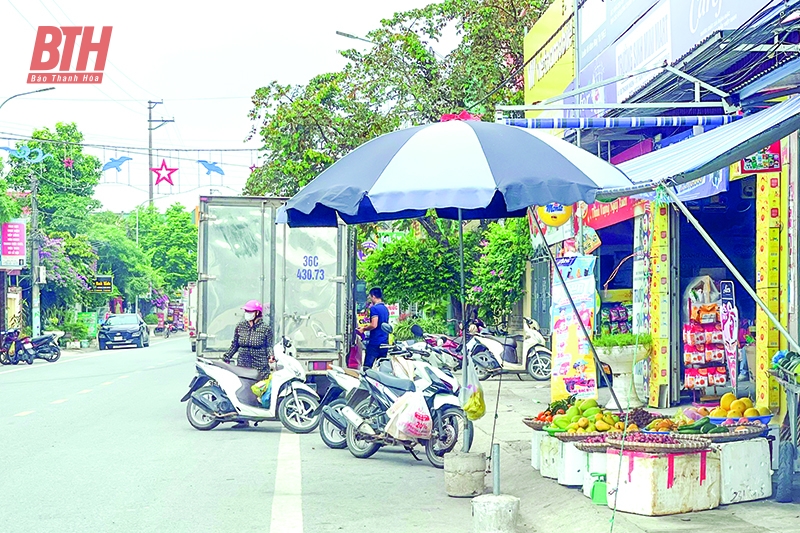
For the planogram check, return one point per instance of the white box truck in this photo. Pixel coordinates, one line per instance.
(303, 276)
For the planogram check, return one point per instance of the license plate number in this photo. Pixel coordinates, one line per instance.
(118, 337)
(28, 346)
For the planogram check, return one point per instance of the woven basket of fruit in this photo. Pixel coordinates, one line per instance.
(731, 434)
(650, 443)
(534, 424)
(592, 444)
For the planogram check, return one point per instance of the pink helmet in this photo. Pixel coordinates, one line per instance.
(253, 306)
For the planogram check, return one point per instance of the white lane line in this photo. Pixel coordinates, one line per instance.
(108, 383)
(150, 367)
(287, 501)
(85, 391)
(23, 413)
(59, 401)
(64, 362)
(123, 377)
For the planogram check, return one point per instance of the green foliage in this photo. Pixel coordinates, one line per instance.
(76, 330)
(174, 253)
(623, 339)
(151, 319)
(435, 325)
(412, 270)
(497, 282)
(65, 192)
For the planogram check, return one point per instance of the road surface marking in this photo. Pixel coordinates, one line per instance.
(64, 362)
(84, 391)
(23, 413)
(108, 383)
(123, 377)
(59, 401)
(287, 500)
(150, 367)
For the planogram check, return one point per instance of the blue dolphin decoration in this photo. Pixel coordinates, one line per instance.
(211, 167)
(24, 153)
(115, 163)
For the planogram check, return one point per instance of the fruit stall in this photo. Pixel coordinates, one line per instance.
(652, 464)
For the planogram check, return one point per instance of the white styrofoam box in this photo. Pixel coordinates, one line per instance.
(536, 441)
(744, 470)
(774, 431)
(549, 456)
(595, 464)
(645, 484)
(572, 465)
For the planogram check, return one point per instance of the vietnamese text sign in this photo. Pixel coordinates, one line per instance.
(13, 252)
(573, 365)
(729, 316)
(103, 284)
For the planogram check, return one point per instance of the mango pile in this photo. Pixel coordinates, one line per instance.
(586, 417)
(735, 408)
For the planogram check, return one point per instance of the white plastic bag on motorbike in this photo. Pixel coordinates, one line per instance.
(471, 396)
(409, 417)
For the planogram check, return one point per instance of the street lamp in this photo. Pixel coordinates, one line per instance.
(23, 94)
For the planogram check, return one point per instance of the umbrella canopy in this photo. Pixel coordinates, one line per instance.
(484, 170)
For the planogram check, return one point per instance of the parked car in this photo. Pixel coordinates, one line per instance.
(123, 330)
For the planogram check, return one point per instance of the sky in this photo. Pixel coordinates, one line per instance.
(204, 59)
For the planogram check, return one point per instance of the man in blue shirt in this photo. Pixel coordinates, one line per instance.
(378, 315)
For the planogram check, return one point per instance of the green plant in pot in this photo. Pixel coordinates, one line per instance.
(621, 352)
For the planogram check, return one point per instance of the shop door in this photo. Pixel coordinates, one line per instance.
(540, 292)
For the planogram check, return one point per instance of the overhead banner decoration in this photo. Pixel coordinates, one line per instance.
(103, 284)
(116, 164)
(729, 315)
(574, 370)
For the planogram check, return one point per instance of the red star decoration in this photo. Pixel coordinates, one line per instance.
(68, 162)
(164, 173)
(253, 168)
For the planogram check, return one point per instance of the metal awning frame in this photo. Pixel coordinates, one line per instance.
(550, 103)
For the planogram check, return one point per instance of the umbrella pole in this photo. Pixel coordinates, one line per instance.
(597, 362)
(463, 298)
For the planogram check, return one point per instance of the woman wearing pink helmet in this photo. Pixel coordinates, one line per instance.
(252, 339)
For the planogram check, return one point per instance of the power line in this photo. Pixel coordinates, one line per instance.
(20, 137)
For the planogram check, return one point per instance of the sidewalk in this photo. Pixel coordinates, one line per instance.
(547, 507)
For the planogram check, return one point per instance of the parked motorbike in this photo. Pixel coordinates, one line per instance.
(15, 349)
(220, 392)
(332, 425)
(367, 418)
(506, 354)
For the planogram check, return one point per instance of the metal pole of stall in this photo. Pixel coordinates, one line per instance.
(496, 469)
(706, 237)
(597, 362)
(466, 358)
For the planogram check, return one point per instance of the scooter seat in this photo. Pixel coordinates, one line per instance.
(42, 339)
(242, 372)
(391, 381)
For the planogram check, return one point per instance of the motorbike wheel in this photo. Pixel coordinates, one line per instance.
(4, 360)
(361, 449)
(539, 364)
(332, 436)
(197, 417)
(52, 354)
(481, 365)
(785, 472)
(298, 418)
(456, 427)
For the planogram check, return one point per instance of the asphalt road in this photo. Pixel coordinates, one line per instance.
(99, 442)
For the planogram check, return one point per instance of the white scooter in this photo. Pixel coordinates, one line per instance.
(220, 392)
(333, 425)
(494, 355)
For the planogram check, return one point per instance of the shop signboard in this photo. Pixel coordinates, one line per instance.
(90, 319)
(603, 214)
(729, 315)
(666, 32)
(550, 44)
(551, 235)
(765, 160)
(602, 22)
(13, 251)
(103, 284)
(573, 365)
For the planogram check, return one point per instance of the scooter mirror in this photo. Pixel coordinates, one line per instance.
(416, 330)
(386, 327)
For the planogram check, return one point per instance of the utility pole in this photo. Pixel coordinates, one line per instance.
(150, 128)
(36, 322)
(576, 39)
